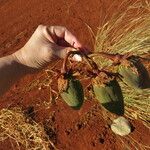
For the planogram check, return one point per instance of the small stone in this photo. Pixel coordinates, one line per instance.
(121, 126)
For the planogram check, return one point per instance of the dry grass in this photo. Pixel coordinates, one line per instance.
(26, 133)
(137, 104)
(125, 32)
(128, 142)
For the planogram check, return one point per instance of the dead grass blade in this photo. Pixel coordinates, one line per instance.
(125, 32)
(25, 132)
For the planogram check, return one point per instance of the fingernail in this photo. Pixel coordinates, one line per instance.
(73, 44)
(77, 44)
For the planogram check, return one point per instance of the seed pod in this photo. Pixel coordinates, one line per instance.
(108, 93)
(71, 91)
(134, 73)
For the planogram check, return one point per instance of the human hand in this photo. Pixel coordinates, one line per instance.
(45, 45)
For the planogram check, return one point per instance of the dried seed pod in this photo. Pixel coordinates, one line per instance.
(134, 73)
(71, 91)
(108, 93)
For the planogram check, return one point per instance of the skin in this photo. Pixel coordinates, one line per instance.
(42, 48)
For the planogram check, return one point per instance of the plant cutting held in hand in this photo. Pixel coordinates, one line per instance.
(104, 82)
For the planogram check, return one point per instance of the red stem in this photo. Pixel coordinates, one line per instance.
(90, 62)
(114, 57)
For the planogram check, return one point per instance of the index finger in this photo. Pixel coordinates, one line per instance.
(62, 32)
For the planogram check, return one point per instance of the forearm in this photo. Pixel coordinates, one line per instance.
(10, 72)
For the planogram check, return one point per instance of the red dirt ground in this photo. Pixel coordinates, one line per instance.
(85, 129)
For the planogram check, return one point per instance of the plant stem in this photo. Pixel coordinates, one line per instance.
(89, 61)
(64, 67)
(114, 57)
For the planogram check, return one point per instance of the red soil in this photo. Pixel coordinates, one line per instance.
(85, 129)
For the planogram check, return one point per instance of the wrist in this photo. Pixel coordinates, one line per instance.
(17, 57)
(11, 71)
(27, 58)
(20, 64)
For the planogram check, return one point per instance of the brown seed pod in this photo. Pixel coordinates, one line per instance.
(108, 93)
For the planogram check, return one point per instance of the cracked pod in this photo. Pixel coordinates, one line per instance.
(71, 91)
(134, 73)
(108, 93)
